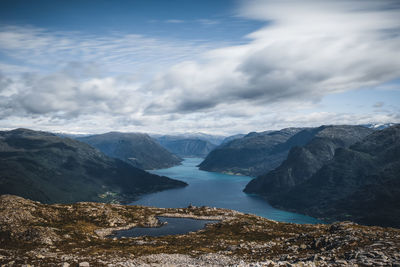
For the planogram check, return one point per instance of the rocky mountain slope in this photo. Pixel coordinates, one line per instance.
(361, 183)
(186, 146)
(138, 149)
(76, 235)
(212, 138)
(256, 153)
(303, 161)
(231, 138)
(44, 167)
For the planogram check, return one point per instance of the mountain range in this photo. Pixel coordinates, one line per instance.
(359, 183)
(255, 153)
(187, 146)
(44, 167)
(231, 138)
(333, 172)
(303, 161)
(138, 149)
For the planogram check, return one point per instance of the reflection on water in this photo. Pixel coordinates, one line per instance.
(215, 190)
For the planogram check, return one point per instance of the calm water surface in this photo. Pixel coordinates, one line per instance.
(174, 226)
(214, 190)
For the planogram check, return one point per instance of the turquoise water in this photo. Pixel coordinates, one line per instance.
(215, 190)
(173, 226)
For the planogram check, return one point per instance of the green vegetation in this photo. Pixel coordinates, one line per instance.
(44, 167)
(137, 149)
(29, 228)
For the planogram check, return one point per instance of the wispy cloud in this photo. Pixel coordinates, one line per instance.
(115, 52)
(62, 76)
(379, 104)
(208, 22)
(176, 21)
(306, 51)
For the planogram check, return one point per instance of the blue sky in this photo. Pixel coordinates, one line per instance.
(183, 19)
(219, 67)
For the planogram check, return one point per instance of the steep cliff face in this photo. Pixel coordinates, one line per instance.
(303, 161)
(256, 153)
(138, 149)
(360, 183)
(44, 167)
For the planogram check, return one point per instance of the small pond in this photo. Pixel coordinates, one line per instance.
(171, 226)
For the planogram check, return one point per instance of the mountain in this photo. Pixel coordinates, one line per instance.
(361, 183)
(303, 161)
(138, 149)
(185, 146)
(255, 153)
(211, 138)
(231, 138)
(44, 167)
(71, 135)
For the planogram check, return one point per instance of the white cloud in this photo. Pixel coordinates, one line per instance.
(208, 22)
(379, 104)
(176, 21)
(63, 95)
(40, 49)
(306, 50)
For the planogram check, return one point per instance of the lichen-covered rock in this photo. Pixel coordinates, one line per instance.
(72, 235)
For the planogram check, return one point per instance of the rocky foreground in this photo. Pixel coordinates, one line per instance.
(35, 234)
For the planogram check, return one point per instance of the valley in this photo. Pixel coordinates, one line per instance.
(44, 167)
(185, 133)
(286, 216)
(214, 190)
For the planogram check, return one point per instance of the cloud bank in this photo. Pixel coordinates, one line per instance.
(306, 51)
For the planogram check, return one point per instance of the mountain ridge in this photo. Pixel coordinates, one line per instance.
(255, 153)
(48, 168)
(360, 183)
(303, 161)
(184, 146)
(138, 149)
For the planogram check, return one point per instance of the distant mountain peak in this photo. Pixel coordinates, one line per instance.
(138, 149)
(378, 126)
(45, 167)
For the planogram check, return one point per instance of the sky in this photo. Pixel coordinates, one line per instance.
(218, 67)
